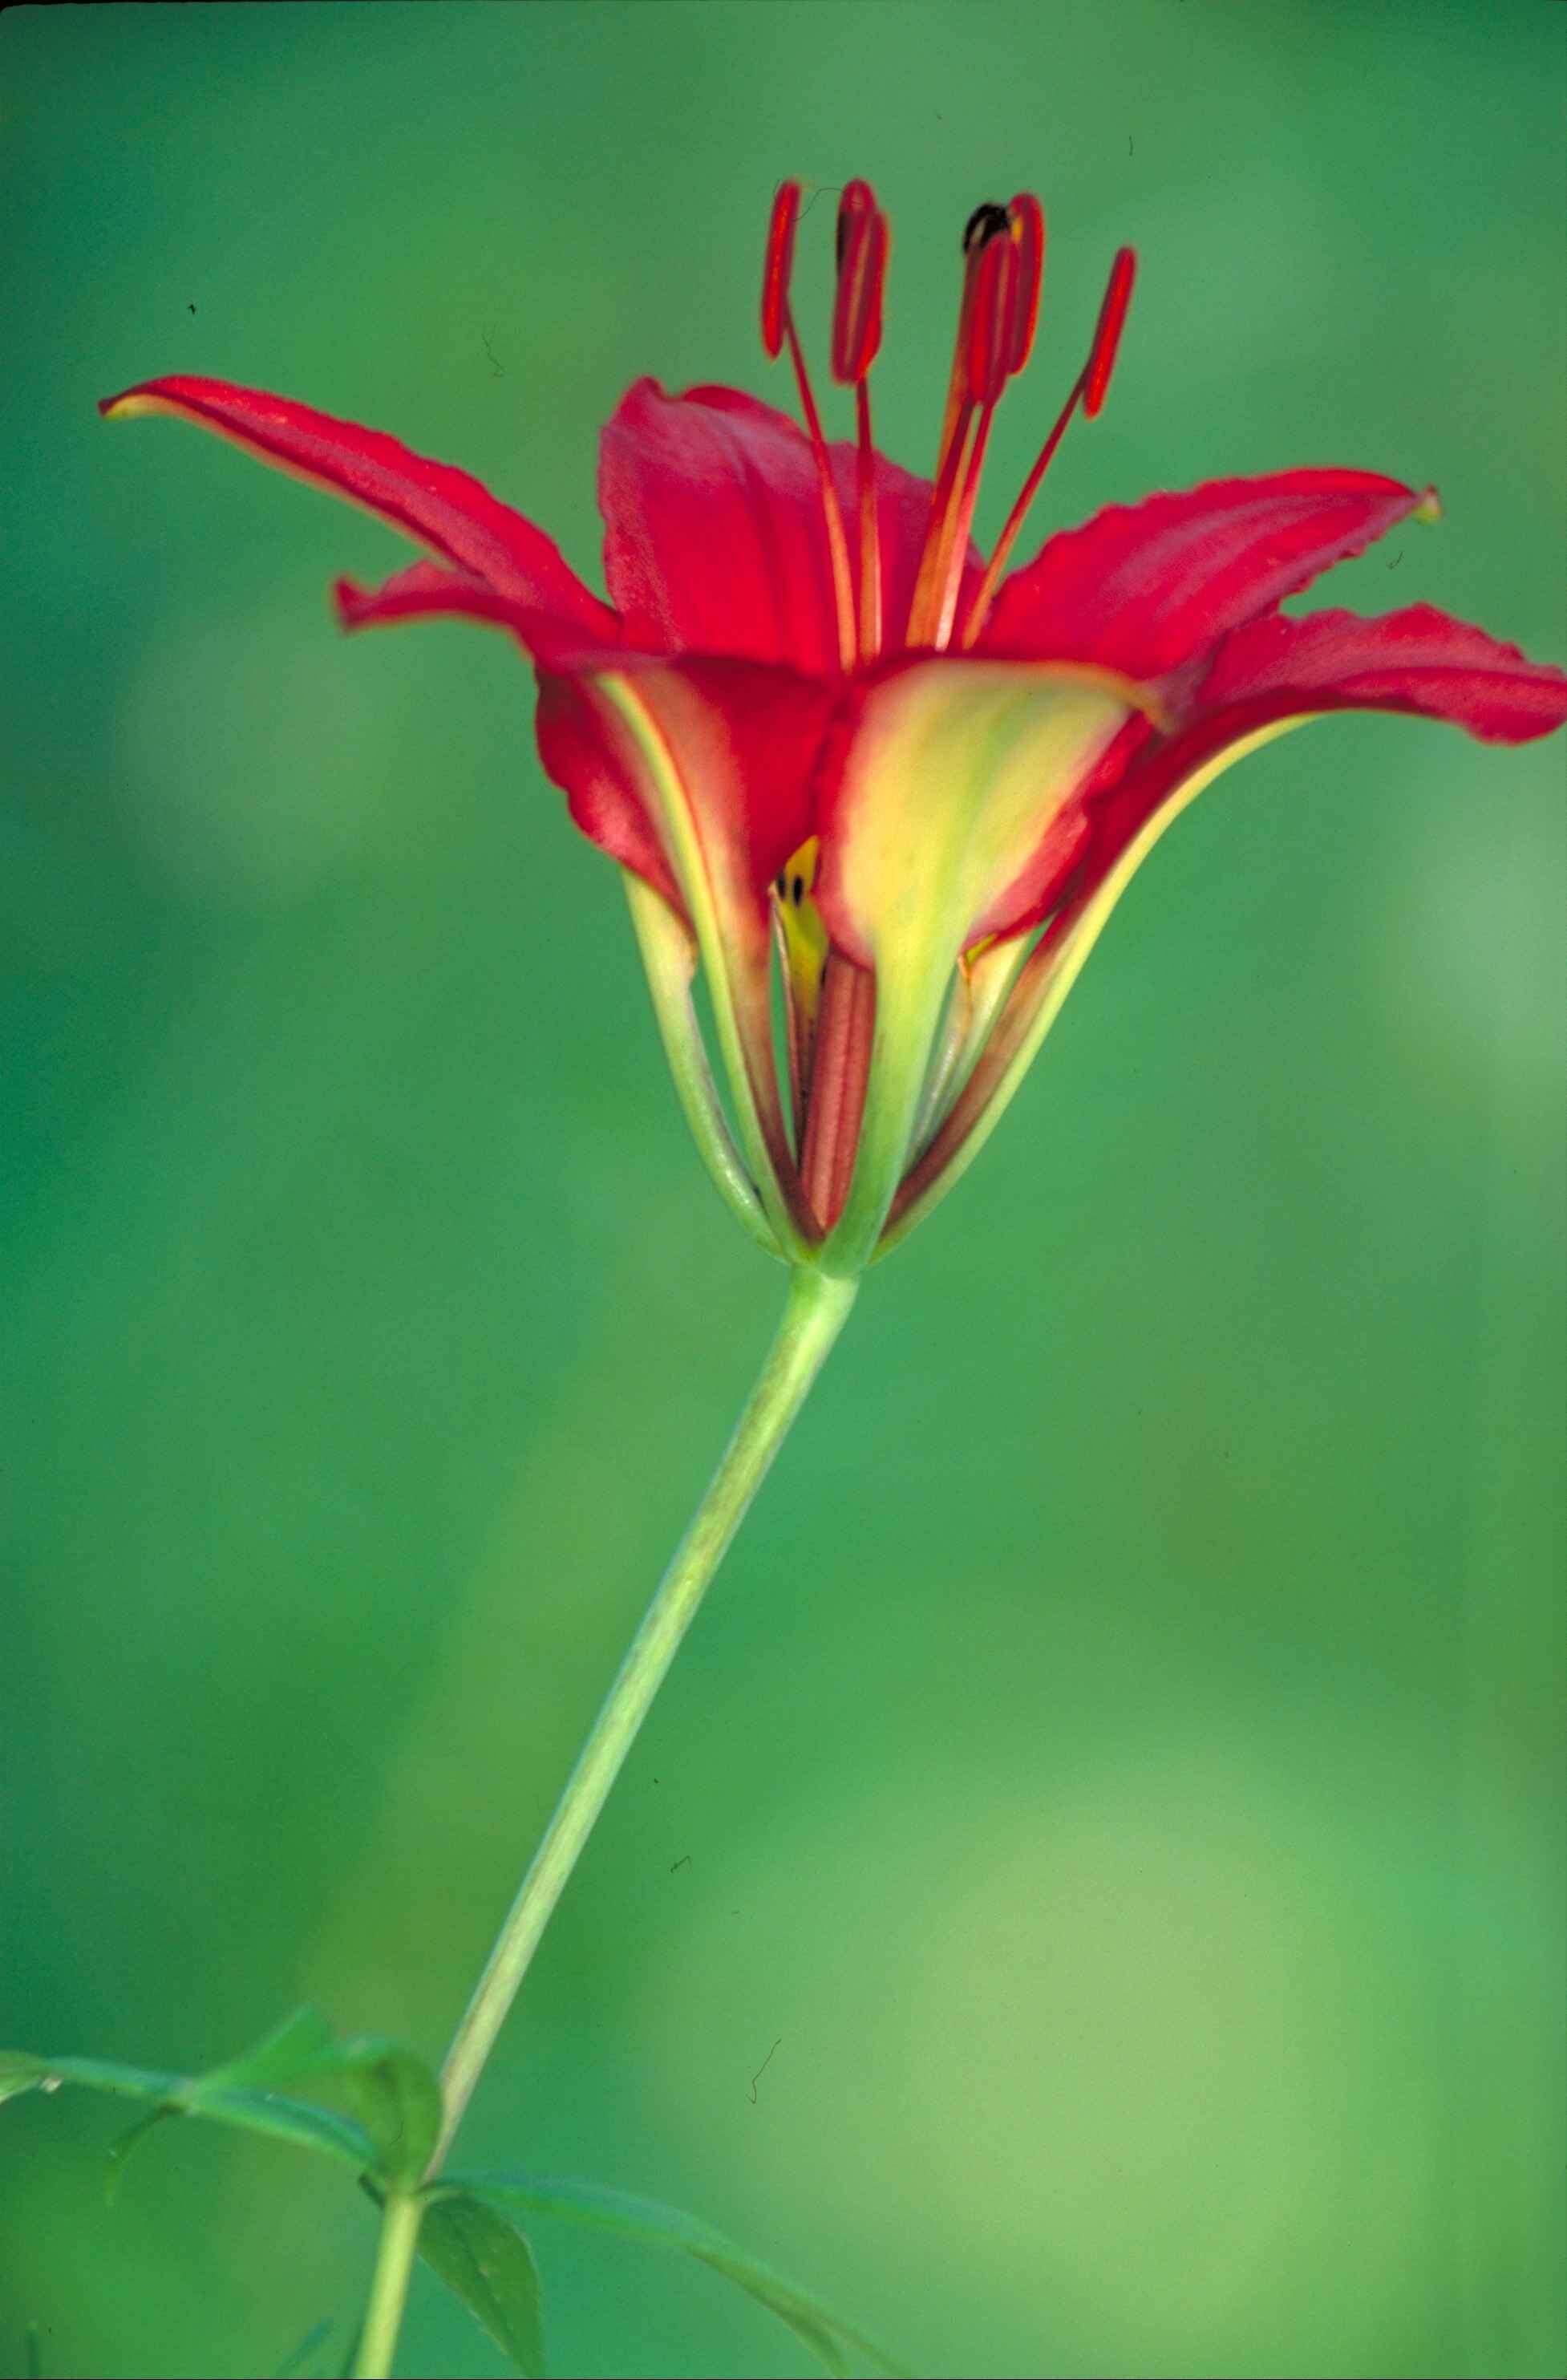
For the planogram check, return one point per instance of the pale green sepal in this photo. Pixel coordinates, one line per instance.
(690, 863)
(955, 774)
(670, 958)
(981, 983)
(1044, 983)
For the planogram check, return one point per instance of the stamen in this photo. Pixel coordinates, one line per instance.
(1094, 378)
(986, 224)
(862, 272)
(778, 264)
(856, 336)
(1107, 335)
(1027, 220)
(987, 347)
(778, 327)
(987, 361)
(924, 603)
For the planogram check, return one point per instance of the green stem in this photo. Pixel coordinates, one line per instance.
(389, 2289)
(815, 1311)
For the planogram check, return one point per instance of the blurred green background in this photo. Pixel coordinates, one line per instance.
(1119, 1766)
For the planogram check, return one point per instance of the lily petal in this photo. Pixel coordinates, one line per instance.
(1266, 678)
(1417, 661)
(698, 775)
(442, 507)
(941, 787)
(1149, 589)
(427, 591)
(714, 540)
(604, 794)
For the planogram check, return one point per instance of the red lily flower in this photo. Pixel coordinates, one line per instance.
(812, 721)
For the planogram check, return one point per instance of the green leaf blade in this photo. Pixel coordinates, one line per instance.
(268, 2112)
(485, 2261)
(834, 2344)
(301, 2045)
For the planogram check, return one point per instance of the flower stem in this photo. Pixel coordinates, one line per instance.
(815, 1311)
(389, 2289)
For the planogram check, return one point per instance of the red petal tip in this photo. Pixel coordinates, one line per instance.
(862, 275)
(1107, 334)
(1028, 219)
(1429, 507)
(778, 264)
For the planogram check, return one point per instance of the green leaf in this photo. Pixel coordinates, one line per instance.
(185, 2095)
(398, 2099)
(300, 2045)
(308, 2127)
(485, 2261)
(832, 2342)
(395, 2097)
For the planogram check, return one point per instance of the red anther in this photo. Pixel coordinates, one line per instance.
(856, 198)
(780, 261)
(862, 275)
(1027, 220)
(1107, 334)
(987, 345)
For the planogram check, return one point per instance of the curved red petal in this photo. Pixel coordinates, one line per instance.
(582, 756)
(699, 776)
(426, 591)
(1417, 661)
(745, 740)
(442, 508)
(1148, 588)
(714, 540)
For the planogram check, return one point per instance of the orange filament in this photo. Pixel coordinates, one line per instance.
(869, 538)
(985, 592)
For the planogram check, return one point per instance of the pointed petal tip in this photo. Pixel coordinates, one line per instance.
(1429, 507)
(348, 601)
